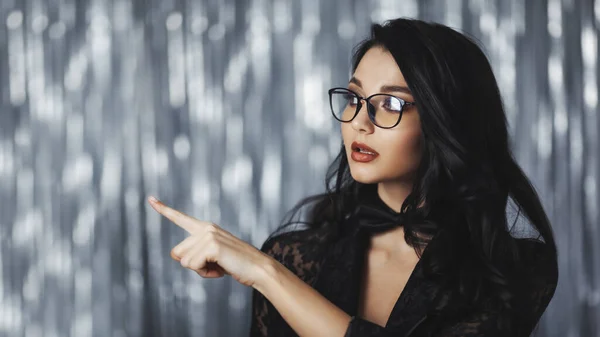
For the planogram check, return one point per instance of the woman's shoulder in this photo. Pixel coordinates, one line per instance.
(537, 253)
(540, 265)
(298, 250)
(280, 241)
(538, 256)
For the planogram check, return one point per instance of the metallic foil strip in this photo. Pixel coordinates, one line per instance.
(213, 107)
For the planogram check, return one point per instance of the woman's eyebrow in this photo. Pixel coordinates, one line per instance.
(398, 88)
(356, 81)
(384, 88)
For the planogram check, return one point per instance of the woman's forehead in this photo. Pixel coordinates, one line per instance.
(378, 68)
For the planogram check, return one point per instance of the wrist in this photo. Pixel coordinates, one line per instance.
(268, 276)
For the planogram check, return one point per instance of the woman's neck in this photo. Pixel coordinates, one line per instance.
(393, 194)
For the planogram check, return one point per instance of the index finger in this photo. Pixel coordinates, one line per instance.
(180, 219)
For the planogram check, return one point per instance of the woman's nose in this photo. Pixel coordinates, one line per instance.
(361, 121)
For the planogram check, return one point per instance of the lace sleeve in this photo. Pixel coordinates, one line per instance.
(259, 326)
(298, 251)
(261, 307)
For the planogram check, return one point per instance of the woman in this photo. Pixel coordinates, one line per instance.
(411, 237)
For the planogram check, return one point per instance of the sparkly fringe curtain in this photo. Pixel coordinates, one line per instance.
(219, 109)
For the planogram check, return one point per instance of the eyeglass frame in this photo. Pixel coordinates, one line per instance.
(403, 104)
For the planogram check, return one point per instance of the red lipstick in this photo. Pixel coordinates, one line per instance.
(362, 153)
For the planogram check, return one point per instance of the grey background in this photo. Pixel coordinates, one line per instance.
(219, 109)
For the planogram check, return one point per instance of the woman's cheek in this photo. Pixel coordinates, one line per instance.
(407, 155)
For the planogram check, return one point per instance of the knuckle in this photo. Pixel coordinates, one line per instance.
(212, 228)
(211, 235)
(176, 214)
(192, 265)
(168, 213)
(172, 213)
(214, 247)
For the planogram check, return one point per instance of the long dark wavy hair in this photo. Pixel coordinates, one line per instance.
(467, 174)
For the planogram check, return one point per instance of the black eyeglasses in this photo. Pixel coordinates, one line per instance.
(384, 110)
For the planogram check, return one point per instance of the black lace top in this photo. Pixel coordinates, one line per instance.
(334, 270)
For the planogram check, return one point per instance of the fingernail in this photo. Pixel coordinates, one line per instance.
(153, 199)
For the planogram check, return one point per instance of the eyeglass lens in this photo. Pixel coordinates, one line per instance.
(384, 109)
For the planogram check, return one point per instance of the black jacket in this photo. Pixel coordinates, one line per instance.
(334, 270)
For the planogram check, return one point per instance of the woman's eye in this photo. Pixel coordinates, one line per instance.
(351, 99)
(392, 104)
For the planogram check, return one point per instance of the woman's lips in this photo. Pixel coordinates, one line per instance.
(362, 153)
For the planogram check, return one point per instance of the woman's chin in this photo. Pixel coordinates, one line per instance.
(365, 177)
